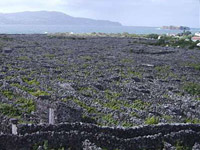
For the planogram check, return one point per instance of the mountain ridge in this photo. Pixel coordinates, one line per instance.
(50, 18)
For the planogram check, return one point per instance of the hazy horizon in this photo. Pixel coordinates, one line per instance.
(147, 13)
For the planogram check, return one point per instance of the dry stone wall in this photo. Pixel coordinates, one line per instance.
(73, 135)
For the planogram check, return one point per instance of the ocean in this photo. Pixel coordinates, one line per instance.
(42, 29)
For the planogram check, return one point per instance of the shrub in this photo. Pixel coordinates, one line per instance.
(195, 66)
(161, 42)
(195, 120)
(109, 120)
(23, 58)
(39, 93)
(26, 105)
(139, 104)
(9, 110)
(152, 120)
(153, 36)
(8, 94)
(180, 146)
(31, 82)
(192, 88)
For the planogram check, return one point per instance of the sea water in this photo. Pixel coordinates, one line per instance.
(42, 29)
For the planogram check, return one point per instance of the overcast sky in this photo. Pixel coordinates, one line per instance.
(128, 12)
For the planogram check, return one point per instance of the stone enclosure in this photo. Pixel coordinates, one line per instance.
(82, 92)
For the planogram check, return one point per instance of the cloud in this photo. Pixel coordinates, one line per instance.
(128, 12)
(25, 5)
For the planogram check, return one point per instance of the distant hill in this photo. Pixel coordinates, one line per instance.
(50, 18)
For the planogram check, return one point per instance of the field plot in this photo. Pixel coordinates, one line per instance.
(116, 81)
(111, 81)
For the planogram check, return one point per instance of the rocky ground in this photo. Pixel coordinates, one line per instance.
(117, 81)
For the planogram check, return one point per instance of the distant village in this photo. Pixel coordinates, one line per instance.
(186, 34)
(195, 37)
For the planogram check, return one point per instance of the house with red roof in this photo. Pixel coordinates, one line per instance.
(196, 38)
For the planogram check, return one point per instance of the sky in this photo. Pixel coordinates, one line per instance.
(154, 13)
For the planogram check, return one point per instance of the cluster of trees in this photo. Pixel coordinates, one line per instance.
(183, 40)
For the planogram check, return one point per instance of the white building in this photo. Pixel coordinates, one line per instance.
(197, 34)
